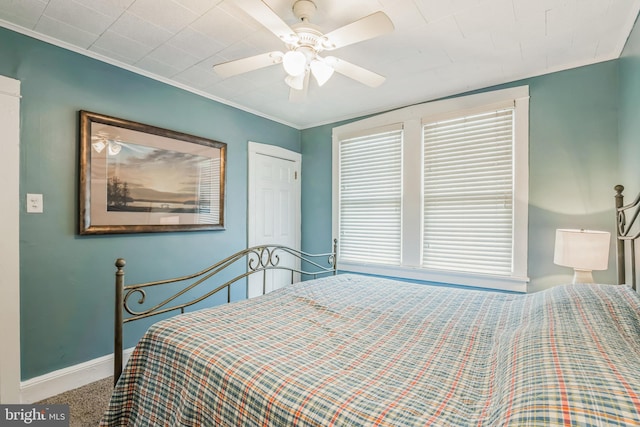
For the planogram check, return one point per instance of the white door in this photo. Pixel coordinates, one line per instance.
(9, 244)
(274, 208)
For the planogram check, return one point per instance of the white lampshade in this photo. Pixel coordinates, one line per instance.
(584, 250)
(294, 62)
(295, 82)
(321, 71)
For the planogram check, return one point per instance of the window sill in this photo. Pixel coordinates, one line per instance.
(502, 283)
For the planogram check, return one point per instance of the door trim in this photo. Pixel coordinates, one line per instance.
(256, 148)
(9, 230)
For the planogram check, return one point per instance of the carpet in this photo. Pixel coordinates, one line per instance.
(86, 403)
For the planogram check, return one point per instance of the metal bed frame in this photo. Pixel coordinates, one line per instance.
(258, 259)
(267, 257)
(627, 234)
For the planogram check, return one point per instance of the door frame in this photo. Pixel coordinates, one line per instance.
(10, 251)
(257, 149)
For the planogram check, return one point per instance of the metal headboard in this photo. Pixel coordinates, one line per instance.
(258, 259)
(627, 233)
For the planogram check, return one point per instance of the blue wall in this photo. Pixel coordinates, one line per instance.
(573, 166)
(66, 280)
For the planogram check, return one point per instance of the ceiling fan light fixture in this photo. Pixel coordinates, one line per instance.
(321, 71)
(295, 82)
(294, 63)
(304, 42)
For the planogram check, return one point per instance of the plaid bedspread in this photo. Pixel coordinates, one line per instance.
(357, 351)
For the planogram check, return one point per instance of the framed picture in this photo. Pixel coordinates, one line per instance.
(136, 178)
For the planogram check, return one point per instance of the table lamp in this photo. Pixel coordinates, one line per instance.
(584, 250)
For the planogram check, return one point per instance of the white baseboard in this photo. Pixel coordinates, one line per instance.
(56, 382)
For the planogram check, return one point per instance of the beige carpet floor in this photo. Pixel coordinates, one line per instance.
(86, 404)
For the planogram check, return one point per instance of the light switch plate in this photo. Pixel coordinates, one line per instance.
(34, 203)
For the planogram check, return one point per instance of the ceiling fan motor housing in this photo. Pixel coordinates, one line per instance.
(304, 9)
(309, 36)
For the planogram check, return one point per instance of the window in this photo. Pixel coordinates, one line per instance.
(468, 193)
(436, 192)
(371, 197)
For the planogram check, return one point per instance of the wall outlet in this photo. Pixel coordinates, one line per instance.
(34, 203)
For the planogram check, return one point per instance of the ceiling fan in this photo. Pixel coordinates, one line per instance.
(304, 43)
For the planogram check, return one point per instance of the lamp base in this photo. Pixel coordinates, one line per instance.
(582, 276)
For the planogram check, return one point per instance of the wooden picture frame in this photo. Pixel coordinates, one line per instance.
(137, 178)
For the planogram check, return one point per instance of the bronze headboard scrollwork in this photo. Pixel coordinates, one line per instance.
(627, 233)
(257, 259)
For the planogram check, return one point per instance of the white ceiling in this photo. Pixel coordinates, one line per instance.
(438, 48)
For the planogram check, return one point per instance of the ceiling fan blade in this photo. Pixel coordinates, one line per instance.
(298, 96)
(355, 72)
(366, 28)
(239, 66)
(262, 13)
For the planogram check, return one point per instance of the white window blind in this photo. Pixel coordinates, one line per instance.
(468, 193)
(370, 197)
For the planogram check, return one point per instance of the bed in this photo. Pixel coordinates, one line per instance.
(352, 350)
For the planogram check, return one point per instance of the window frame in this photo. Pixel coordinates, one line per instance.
(411, 119)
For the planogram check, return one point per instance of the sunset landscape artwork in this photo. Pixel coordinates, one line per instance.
(145, 179)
